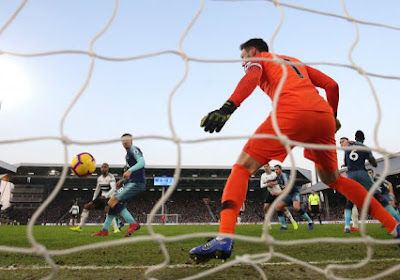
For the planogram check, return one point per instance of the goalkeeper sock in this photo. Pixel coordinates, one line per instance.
(84, 215)
(357, 194)
(114, 223)
(233, 197)
(107, 222)
(127, 216)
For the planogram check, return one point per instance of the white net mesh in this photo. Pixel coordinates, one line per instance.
(278, 15)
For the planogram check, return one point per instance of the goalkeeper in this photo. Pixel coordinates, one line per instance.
(302, 115)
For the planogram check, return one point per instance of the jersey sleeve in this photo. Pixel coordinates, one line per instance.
(285, 178)
(137, 154)
(331, 88)
(248, 83)
(262, 184)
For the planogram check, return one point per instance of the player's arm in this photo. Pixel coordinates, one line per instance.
(262, 183)
(372, 160)
(331, 88)
(113, 188)
(215, 120)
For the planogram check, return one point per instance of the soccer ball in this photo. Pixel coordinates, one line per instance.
(83, 164)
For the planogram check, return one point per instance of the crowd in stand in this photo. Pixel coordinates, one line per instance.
(192, 207)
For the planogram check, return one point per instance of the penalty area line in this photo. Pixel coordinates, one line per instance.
(94, 267)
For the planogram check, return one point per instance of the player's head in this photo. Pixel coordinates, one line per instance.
(252, 47)
(344, 141)
(370, 172)
(104, 168)
(312, 192)
(267, 168)
(278, 170)
(126, 139)
(360, 136)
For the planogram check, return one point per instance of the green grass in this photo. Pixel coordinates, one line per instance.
(136, 257)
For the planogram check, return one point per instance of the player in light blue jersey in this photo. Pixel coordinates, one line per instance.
(355, 162)
(293, 198)
(134, 183)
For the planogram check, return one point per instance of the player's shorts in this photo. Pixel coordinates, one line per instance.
(100, 203)
(127, 192)
(74, 216)
(315, 209)
(363, 178)
(269, 198)
(302, 126)
(294, 195)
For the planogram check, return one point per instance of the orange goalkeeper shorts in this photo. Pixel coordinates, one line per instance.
(302, 126)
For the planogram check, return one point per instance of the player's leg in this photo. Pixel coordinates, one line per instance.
(125, 195)
(323, 132)
(357, 194)
(347, 215)
(290, 217)
(233, 196)
(85, 214)
(279, 211)
(295, 197)
(354, 219)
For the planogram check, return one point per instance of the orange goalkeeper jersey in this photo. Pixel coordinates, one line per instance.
(299, 91)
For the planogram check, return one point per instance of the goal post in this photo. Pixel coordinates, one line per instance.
(172, 219)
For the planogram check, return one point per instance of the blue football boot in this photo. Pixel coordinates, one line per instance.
(214, 249)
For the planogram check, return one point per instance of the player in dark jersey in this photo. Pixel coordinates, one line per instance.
(355, 162)
(293, 198)
(134, 182)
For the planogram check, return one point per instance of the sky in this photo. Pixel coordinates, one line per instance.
(132, 95)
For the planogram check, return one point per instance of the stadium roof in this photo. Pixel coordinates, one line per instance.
(394, 169)
(7, 168)
(190, 176)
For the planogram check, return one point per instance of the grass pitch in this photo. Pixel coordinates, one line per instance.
(132, 260)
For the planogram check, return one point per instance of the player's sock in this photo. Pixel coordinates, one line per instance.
(127, 216)
(281, 218)
(354, 216)
(305, 215)
(356, 194)
(107, 222)
(393, 212)
(84, 215)
(289, 215)
(233, 197)
(347, 217)
(114, 223)
(319, 218)
(70, 222)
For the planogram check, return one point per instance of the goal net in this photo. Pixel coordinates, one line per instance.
(85, 54)
(163, 219)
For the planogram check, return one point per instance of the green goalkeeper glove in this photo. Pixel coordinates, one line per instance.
(215, 120)
(338, 125)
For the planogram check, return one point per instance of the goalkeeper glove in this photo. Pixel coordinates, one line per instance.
(338, 125)
(215, 120)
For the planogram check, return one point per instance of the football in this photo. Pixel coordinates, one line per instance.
(83, 164)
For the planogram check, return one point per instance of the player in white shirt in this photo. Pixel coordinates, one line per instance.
(269, 182)
(74, 211)
(107, 185)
